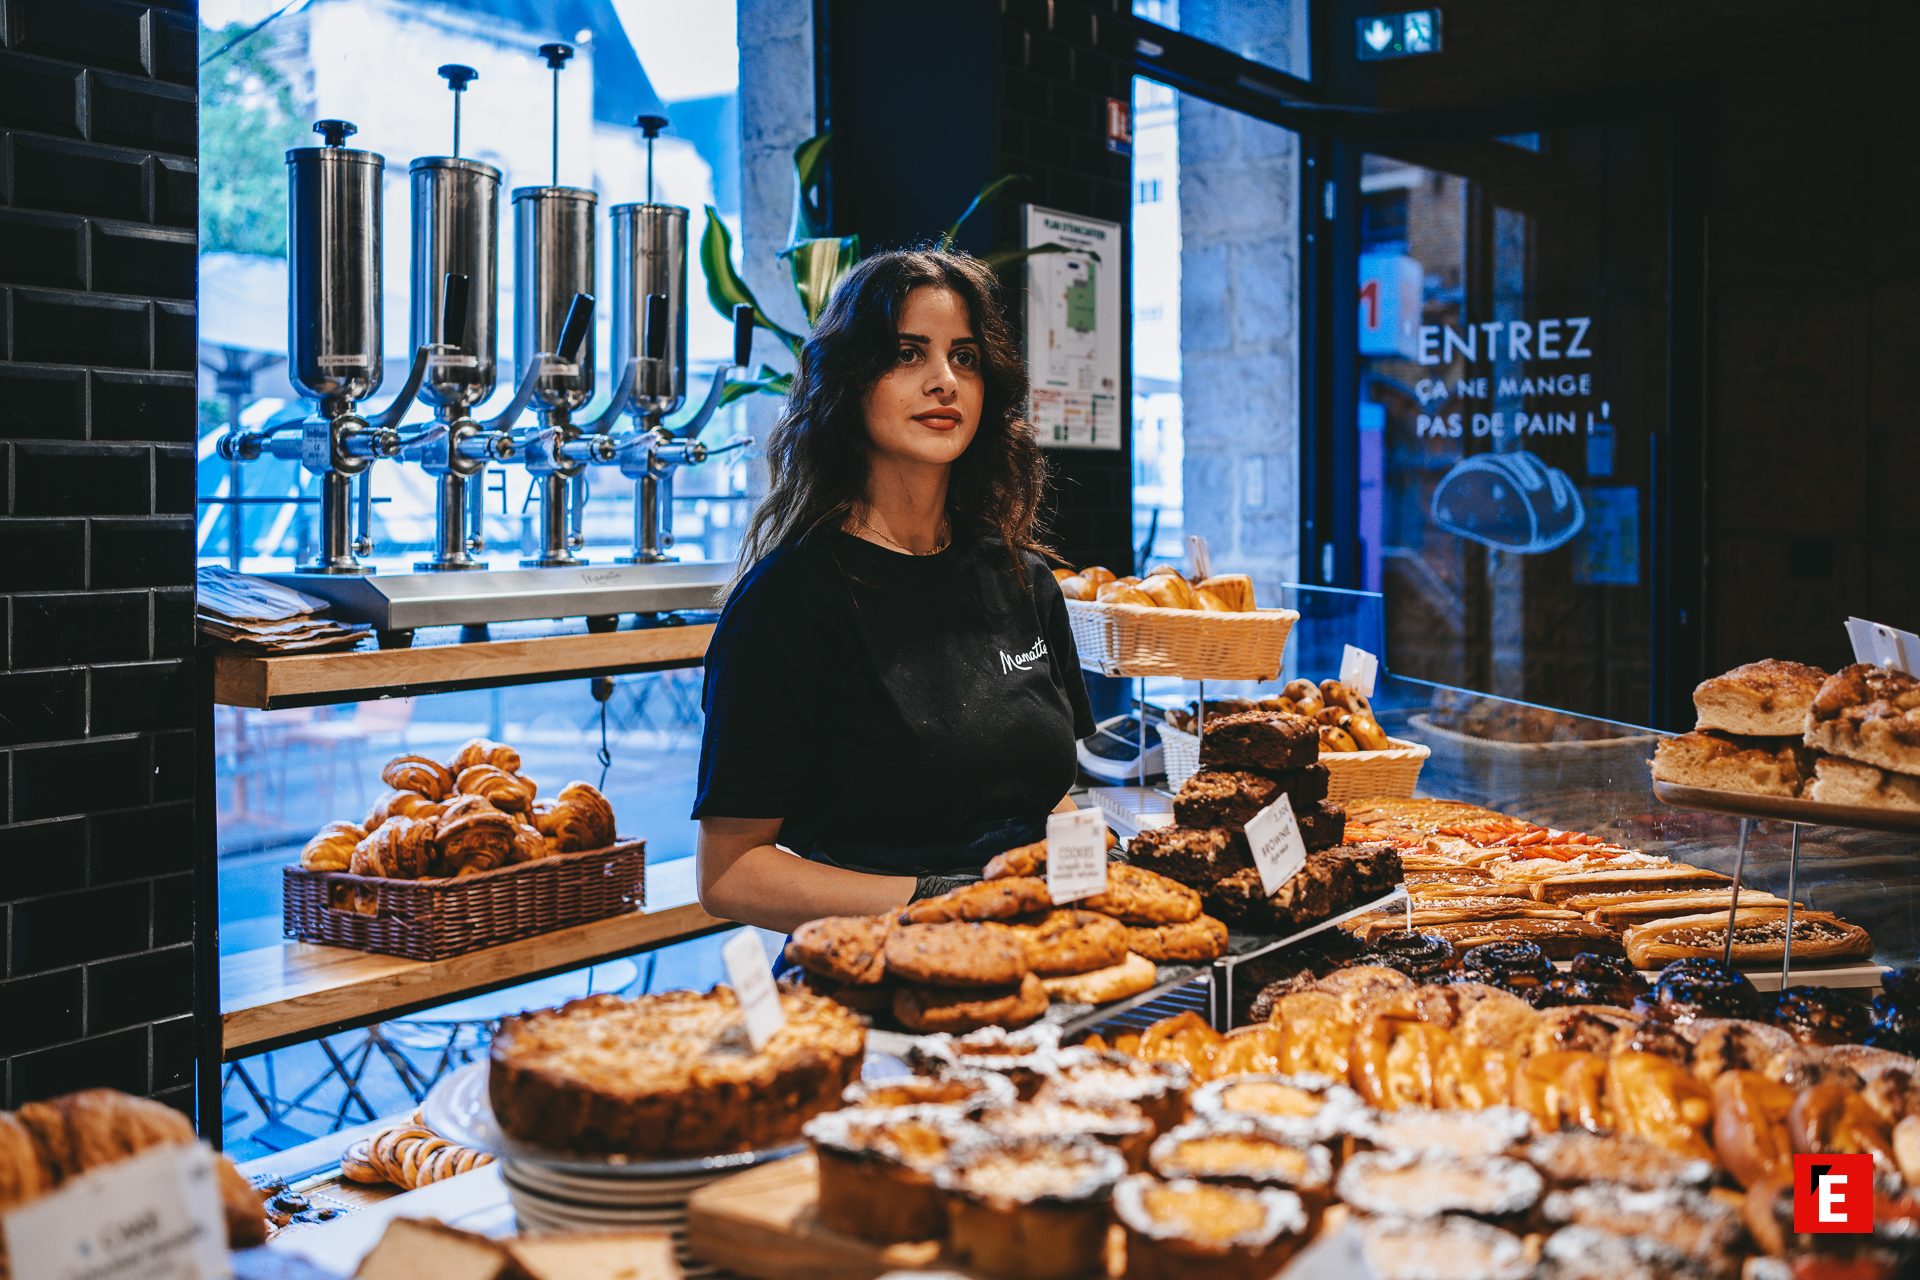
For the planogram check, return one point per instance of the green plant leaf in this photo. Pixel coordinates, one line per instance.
(818, 266)
(986, 195)
(769, 383)
(725, 288)
(1007, 257)
(809, 200)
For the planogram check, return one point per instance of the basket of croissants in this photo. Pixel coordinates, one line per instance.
(462, 855)
(1166, 624)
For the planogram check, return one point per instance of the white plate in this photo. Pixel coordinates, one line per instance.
(547, 1195)
(625, 1190)
(459, 1110)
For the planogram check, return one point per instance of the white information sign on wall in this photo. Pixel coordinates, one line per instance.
(1073, 331)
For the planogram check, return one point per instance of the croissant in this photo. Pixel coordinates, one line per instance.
(1562, 1090)
(331, 848)
(528, 844)
(499, 788)
(579, 819)
(1658, 1099)
(478, 840)
(485, 751)
(45, 1143)
(430, 778)
(402, 849)
(1750, 1126)
(402, 804)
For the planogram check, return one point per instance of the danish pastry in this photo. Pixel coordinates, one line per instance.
(331, 848)
(419, 774)
(1750, 1133)
(1657, 1099)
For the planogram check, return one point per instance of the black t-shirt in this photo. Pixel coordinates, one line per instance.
(900, 713)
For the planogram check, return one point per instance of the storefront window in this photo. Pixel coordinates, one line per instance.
(270, 69)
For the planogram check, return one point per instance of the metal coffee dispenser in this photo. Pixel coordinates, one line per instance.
(650, 339)
(456, 251)
(333, 338)
(553, 230)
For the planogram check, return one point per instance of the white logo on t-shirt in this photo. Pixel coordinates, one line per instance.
(1012, 662)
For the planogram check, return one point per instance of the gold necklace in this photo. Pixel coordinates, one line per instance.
(940, 546)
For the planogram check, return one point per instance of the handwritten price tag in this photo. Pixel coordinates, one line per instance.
(154, 1217)
(1076, 855)
(1199, 556)
(752, 979)
(1278, 851)
(1359, 669)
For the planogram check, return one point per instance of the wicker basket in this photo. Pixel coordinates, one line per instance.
(1351, 775)
(435, 919)
(1189, 644)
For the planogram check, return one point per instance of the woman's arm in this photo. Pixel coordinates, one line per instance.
(1066, 804)
(744, 876)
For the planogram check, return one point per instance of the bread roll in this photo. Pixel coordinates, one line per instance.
(1097, 574)
(1170, 591)
(1234, 588)
(1061, 575)
(1121, 593)
(1336, 739)
(1211, 603)
(1165, 570)
(1077, 588)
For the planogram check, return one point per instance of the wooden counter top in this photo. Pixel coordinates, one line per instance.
(294, 991)
(270, 681)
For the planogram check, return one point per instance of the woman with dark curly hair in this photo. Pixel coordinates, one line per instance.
(892, 692)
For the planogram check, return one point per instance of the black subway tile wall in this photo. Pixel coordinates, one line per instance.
(1058, 64)
(99, 745)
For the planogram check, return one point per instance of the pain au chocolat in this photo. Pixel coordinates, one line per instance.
(669, 1075)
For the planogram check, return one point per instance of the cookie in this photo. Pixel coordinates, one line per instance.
(1103, 986)
(1027, 860)
(848, 949)
(957, 953)
(870, 1000)
(1137, 896)
(1202, 938)
(986, 900)
(1069, 941)
(933, 1009)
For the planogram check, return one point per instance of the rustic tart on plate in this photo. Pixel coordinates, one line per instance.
(670, 1075)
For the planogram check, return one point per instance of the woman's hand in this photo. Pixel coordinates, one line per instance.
(745, 877)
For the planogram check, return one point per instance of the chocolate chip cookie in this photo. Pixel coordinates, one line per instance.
(1137, 896)
(1202, 938)
(958, 953)
(987, 900)
(1069, 941)
(847, 949)
(931, 1009)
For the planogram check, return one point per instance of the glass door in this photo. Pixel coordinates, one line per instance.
(1506, 409)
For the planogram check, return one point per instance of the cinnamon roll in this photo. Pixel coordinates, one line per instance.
(402, 849)
(419, 774)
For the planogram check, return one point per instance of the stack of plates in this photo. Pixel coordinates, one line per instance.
(552, 1191)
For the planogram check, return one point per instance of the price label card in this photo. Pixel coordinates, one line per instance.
(1883, 645)
(156, 1216)
(752, 979)
(1359, 668)
(1199, 556)
(1278, 851)
(1335, 1255)
(1076, 855)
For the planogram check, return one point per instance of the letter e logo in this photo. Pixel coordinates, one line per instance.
(1832, 1193)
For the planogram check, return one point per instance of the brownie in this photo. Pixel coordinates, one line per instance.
(1195, 856)
(1237, 899)
(1231, 797)
(1374, 867)
(1260, 742)
(1322, 825)
(1315, 892)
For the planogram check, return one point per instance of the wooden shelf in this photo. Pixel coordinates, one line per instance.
(268, 682)
(280, 995)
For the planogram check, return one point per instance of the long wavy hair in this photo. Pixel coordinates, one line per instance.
(818, 451)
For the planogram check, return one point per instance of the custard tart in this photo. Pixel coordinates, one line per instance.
(1187, 1230)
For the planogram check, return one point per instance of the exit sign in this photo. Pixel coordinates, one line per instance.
(1398, 35)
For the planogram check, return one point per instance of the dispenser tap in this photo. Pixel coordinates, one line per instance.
(457, 78)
